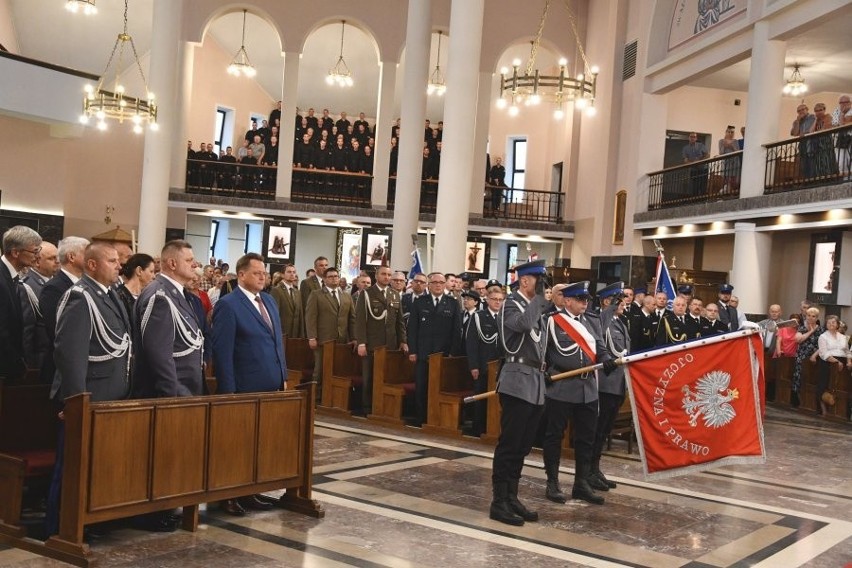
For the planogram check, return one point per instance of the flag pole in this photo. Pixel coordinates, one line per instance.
(667, 350)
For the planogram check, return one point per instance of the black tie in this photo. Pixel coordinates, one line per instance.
(334, 298)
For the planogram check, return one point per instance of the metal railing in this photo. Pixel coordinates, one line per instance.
(821, 158)
(325, 187)
(499, 202)
(232, 179)
(697, 182)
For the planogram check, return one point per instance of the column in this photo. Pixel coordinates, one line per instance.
(764, 106)
(480, 141)
(184, 104)
(287, 131)
(406, 212)
(451, 221)
(153, 204)
(384, 122)
(751, 267)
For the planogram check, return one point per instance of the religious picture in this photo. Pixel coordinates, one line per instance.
(475, 258)
(378, 250)
(349, 253)
(823, 279)
(279, 242)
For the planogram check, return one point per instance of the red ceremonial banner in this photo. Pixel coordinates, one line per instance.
(698, 408)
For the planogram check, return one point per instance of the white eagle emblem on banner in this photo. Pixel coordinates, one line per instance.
(710, 400)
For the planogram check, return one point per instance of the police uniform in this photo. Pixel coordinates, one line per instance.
(521, 389)
(611, 386)
(693, 325)
(575, 398)
(710, 328)
(727, 314)
(481, 345)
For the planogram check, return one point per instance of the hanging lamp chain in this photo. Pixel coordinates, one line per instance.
(123, 37)
(243, 42)
(438, 59)
(573, 21)
(537, 40)
(342, 32)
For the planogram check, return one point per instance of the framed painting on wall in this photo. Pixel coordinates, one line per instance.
(279, 242)
(349, 253)
(375, 248)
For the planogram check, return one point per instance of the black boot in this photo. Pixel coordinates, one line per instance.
(517, 506)
(553, 491)
(599, 475)
(500, 508)
(582, 490)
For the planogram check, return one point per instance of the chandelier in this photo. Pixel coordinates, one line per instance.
(795, 84)
(531, 87)
(437, 85)
(86, 6)
(241, 65)
(115, 104)
(340, 73)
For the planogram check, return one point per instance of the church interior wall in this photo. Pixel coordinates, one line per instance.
(8, 37)
(313, 241)
(718, 253)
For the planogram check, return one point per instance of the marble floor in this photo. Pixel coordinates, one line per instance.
(400, 498)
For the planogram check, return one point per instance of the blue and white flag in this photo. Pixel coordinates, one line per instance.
(416, 265)
(664, 280)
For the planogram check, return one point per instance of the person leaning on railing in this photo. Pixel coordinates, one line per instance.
(822, 147)
(842, 116)
(803, 124)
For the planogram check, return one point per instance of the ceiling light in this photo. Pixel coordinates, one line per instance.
(116, 104)
(437, 85)
(795, 84)
(340, 73)
(241, 65)
(86, 6)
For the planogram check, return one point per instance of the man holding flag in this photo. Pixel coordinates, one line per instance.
(664, 279)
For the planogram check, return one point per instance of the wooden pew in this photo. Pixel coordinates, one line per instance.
(393, 381)
(784, 379)
(127, 458)
(623, 428)
(28, 432)
(449, 383)
(300, 360)
(492, 421)
(341, 374)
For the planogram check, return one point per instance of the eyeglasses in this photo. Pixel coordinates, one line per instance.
(33, 252)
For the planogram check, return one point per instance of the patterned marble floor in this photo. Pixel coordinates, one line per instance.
(403, 499)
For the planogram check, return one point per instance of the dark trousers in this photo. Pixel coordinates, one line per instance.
(421, 387)
(480, 407)
(518, 424)
(51, 519)
(558, 413)
(608, 411)
(823, 369)
(367, 388)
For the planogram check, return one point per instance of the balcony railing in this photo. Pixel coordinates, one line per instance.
(821, 158)
(499, 202)
(231, 179)
(331, 187)
(698, 182)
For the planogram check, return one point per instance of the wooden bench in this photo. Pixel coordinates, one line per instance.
(341, 374)
(393, 381)
(300, 361)
(622, 428)
(449, 383)
(132, 457)
(28, 432)
(492, 423)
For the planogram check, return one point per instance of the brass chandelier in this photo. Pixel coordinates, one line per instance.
(795, 84)
(340, 74)
(86, 6)
(437, 84)
(102, 104)
(531, 87)
(241, 65)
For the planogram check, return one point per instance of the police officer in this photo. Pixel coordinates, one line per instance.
(482, 346)
(727, 314)
(572, 343)
(521, 390)
(672, 328)
(611, 386)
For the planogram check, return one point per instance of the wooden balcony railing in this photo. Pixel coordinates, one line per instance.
(698, 182)
(331, 187)
(231, 179)
(821, 158)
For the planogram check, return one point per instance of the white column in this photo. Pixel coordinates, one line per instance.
(764, 106)
(480, 142)
(384, 122)
(751, 267)
(156, 162)
(406, 211)
(184, 102)
(287, 131)
(451, 220)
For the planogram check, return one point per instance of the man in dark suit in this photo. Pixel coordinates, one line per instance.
(434, 326)
(315, 282)
(378, 323)
(693, 318)
(92, 348)
(481, 346)
(46, 265)
(418, 288)
(35, 335)
(72, 259)
(168, 338)
(21, 247)
(290, 307)
(712, 325)
(248, 349)
(329, 316)
(470, 305)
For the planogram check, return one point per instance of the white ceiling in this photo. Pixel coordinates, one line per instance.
(46, 31)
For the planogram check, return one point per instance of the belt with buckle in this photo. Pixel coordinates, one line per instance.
(524, 361)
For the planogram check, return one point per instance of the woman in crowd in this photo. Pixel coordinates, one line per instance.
(833, 350)
(728, 145)
(807, 337)
(137, 273)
